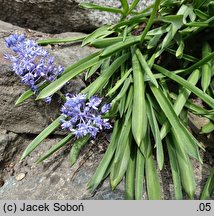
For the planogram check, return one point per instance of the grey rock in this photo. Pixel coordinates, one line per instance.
(197, 122)
(6, 148)
(106, 193)
(32, 117)
(55, 179)
(99, 17)
(58, 16)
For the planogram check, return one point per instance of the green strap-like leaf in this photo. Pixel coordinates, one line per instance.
(69, 73)
(209, 187)
(80, 62)
(184, 56)
(133, 5)
(122, 104)
(146, 67)
(103, 166)
(139, 118)
(159, 31)
(119, 82)
(176, 176)
(185, 166)
(199, 63)
(93, 69)
(197, 110)
(120, 165)
(105, 42)
(27, 94)
(129, 98)
(198, 24)
(201, 14)
(123, 90)
(125, 32)
(199, 3)
(120, 45)
(156, 132)
(100, 82)
(206, 98)
(188, 142)
(60, 40)
(139, 176)
(208, 128)
(152, 180)
(100, 8)
(150, 21)
(176, 23)
(132, 21)
(125, 6)
(181, 101)
(154, 41)
(48, 130)
(206, 68)
(145, 146)
(130, 177)
(181, 45)
(122, 153)
(76, 148)
(54, 148)
(100, 32)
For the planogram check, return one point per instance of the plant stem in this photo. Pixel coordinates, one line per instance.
(61, 40)
(151, 19)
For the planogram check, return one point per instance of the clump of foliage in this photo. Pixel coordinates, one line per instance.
(151, 64)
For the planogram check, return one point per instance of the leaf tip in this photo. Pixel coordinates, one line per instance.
(72, 162)
(23, 157)
(17, 103)
(39, 97)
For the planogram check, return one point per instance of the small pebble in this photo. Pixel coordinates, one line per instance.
(20, 176)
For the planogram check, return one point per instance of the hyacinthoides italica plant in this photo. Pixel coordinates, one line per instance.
(151, 64)
(35, 66)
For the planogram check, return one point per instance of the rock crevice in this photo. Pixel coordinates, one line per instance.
(54, 16)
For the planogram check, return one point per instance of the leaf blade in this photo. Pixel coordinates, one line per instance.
(70, 73)
(139, 176)
(48, 130)
(54, 148)
(209, 186)
(206, 98)
(76, 148)
(139, 118)
(191, 144)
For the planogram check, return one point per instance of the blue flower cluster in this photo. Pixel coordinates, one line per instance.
(31, 62)
(84, 117)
